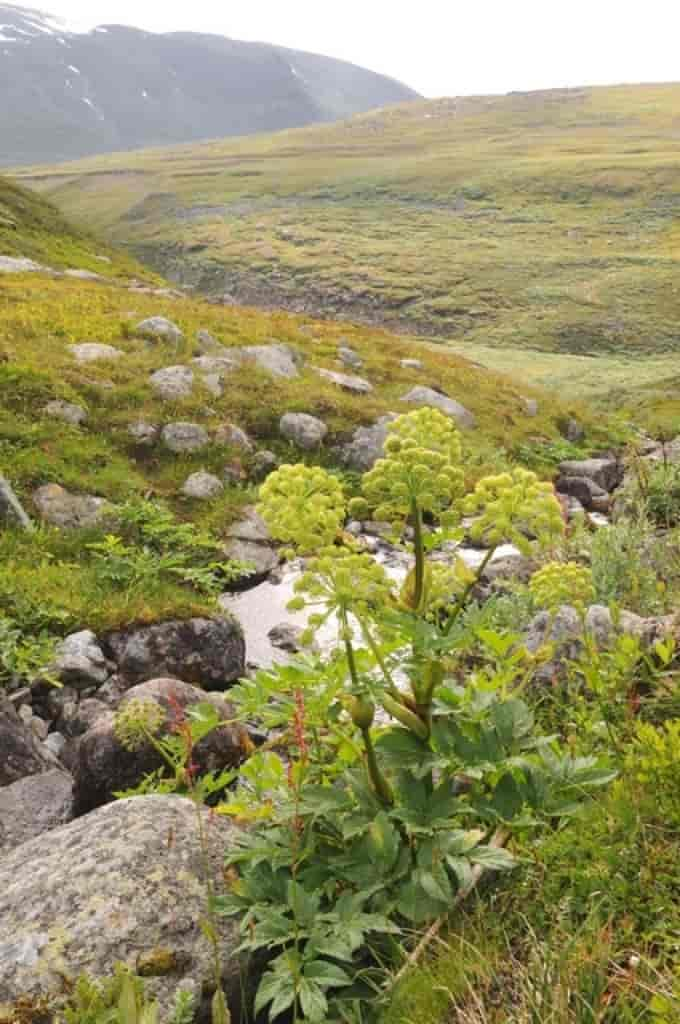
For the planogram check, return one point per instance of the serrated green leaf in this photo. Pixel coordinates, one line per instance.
(313, 1002)
(494, 858)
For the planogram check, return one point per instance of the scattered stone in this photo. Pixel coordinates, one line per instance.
(80, 661)
(571, 430)
(104, 766)
(231, 435)
(22, 754)
(250, 542)
(530, 406)
(348, 357)
(184, 437)
(411, 364)
(144, 434)
(92, 352)
(127, 880)
(206, 342)
(305, 431)
(202, 486)
(208, 652)
(157, 328)
(421, 395)
(366, 446)
(607, 473)
(82, 275)
(214, 364)
(59, 507)
(66, 411)
(32, 806)
(356, 385)
(279, 360)
(584, 489)
(264, 463)
(56, 744)
(286, 636)
(18, 265)
(77, 717)
(173, 383)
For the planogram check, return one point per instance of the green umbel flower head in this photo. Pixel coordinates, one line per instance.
(341, 579)
(512, 507)
(303, 506)
(561, 583)
(136, 721)
(421, 465)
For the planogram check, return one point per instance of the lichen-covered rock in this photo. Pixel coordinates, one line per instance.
(158, 328)
(346, 381)
(102, 766)
(209, 652)
(421, 395)
(172, 383)
(34, 805)
(21, 753)
(144, 434)
(93, 352)
(66, 411)
(122, 883)
(59, 507)
(80, 661)
(202, 486)
(584, 489)
(607, 473)
(303, 430)
(184, 437)
(279, 360)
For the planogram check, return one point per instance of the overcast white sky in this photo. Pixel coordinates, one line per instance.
(440, 47)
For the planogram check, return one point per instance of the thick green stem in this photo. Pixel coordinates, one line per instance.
(392, 687)
(419, 552)
(463, 599)
(378, 780)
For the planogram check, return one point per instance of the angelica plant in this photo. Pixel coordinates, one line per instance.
(559, 583)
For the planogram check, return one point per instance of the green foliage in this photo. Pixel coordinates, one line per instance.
(659, 487)
(653, 761)
(121, 1000)
(23, 657)
(634, 567)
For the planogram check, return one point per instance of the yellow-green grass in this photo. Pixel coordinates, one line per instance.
(544, 221)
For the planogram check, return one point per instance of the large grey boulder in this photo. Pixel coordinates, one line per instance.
(80, 661)
(158, 328)
(184, 437)
(605, 472)
(202, 486)
(66, 411)
(21, 754)
(422, 395)
(173, 383)
(303, 430)
(585, 490)
(348, 382)
(122, 883)
(93, 352)
(366, 446)
(250, 541)
(33, 805)
(59, 507)
(209, 652)
(102, 766)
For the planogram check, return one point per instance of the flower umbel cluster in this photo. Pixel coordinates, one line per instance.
(303, 506)
(136, 721)
(421, 465)
(561, 583)
(511, 508)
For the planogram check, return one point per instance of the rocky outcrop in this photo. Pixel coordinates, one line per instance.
(123, 883)
(607, 473)
(250, 541)
(421, 395)
(103, 766)
(184, 437)
(586, 491)
(303, 430)
(348, 382)
(59, 507)
(209, 652)
(366, 446)
(172, 383)
(278, 359)
(80, 662)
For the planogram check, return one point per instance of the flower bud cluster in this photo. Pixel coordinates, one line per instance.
(303, 506)
(561, 583)
(511, 507)
(135, 721)
(421, 464)
(342, 578)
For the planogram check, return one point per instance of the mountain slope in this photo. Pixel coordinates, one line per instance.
(545, 221)
(68, 94)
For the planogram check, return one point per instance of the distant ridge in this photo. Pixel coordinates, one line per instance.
(67, 94)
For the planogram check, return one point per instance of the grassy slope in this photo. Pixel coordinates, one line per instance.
(41, 315)
(543, 221)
